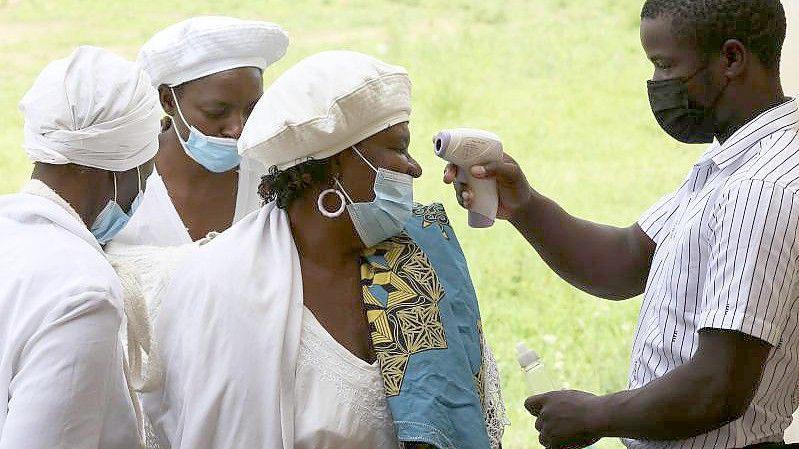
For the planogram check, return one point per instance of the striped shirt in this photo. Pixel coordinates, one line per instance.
(726, 258)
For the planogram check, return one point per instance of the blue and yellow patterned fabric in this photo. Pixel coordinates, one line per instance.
(426, 332)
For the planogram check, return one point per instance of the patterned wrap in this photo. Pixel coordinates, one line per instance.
(426, 331)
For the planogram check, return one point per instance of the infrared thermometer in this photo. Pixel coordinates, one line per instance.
(466, 147)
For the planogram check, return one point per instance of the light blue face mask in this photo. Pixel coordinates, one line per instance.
(112, 218)
(216, 154)
(386, 215)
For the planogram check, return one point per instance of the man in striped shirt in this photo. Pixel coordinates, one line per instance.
(715, 361)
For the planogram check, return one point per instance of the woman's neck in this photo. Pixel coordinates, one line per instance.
(84, 190)
(330, 242)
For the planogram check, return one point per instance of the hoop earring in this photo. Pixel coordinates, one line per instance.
(320, 203)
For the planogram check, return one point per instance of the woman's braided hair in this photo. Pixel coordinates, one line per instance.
(285, 186)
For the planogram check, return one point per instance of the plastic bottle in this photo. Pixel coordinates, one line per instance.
(537, 376)
(535, 373)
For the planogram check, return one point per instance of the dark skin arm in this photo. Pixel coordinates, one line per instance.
(604, 261)
(714, 388)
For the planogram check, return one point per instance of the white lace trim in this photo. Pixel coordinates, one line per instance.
(151, 440)
(494, 407)
(358, 384)
(144, 273)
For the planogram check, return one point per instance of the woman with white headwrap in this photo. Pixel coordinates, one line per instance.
(341, 315)
(91, 127)
(208, 71)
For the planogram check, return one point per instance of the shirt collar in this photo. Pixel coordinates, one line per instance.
(778, 118)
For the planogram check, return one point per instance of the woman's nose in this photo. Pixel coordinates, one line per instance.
(414, 169)
(233, 128)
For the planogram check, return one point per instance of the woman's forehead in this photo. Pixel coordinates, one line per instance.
(245, 82)
(399, 134)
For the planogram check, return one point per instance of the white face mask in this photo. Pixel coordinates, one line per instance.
(385, 216)
(216, 154)
(112, 219)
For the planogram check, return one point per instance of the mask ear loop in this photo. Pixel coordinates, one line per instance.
(182, 118)
(364, 159)
(115, 187)
(342, 196)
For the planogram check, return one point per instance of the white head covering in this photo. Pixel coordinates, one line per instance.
(323, 105)
(200, 46)
(93, 108)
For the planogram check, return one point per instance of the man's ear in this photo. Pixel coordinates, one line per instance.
(735, 57)
(167, 99)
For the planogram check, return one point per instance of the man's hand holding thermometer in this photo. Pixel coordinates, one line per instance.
(488, 182)
(466, 147)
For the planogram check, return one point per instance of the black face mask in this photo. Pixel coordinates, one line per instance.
(673, 111)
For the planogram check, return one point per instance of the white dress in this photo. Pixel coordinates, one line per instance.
(341, 402)
(62, 368)
(157, 222)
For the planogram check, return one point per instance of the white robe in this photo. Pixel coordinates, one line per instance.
(228, 333)
(157, 222)
(61, 360)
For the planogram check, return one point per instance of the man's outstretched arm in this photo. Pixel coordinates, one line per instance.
(604, 261)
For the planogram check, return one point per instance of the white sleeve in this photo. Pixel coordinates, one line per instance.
(656, 217)
(57, 397)
(751, 274)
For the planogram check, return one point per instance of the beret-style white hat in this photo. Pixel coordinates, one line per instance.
(323, 105)
(201, 46)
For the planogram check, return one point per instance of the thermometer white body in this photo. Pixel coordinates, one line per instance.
(466, 147)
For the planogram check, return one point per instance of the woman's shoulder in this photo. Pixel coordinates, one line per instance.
(431, 217)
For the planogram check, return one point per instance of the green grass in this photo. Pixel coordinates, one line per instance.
(562, 82)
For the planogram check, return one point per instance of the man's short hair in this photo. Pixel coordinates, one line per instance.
(758, 24)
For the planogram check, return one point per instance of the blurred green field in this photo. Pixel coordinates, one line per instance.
(562, 82)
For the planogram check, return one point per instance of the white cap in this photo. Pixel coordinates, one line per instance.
(323, 105)
(525, 355)
(205, 45)
(92, 108)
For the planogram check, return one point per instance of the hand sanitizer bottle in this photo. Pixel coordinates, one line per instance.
(535, 373)
(538, 378)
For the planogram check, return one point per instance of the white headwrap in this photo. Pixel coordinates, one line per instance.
(93, 108)
(322, 106)
(201, 46)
